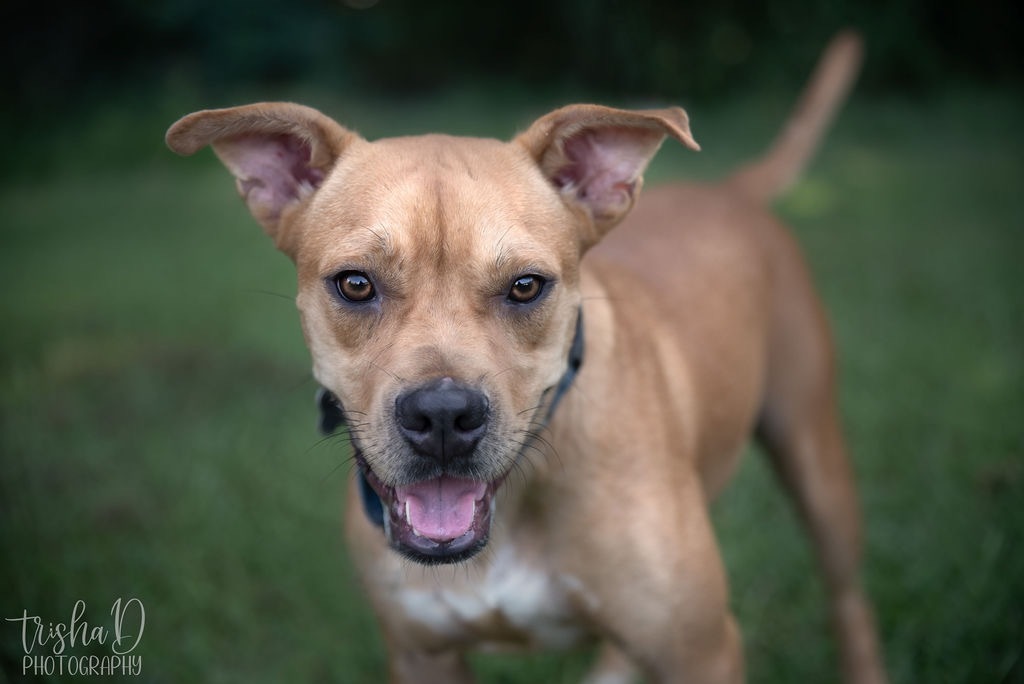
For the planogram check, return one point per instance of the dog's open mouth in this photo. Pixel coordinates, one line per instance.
(441, 520)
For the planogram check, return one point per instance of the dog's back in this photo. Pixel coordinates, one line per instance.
(711, 254)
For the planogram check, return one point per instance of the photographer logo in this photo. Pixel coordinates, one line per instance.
(50, 646)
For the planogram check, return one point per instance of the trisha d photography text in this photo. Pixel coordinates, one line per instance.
(49, 646)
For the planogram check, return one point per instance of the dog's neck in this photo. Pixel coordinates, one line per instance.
(572, 368)
(332, 417)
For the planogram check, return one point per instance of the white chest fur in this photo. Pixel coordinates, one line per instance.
(515, 602)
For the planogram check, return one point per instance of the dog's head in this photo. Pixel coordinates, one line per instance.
(438, 283)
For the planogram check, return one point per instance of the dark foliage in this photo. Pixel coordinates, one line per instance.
(58, 52)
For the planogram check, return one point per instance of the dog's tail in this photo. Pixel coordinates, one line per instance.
(782, 164)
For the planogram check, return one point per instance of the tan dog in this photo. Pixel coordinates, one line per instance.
(446, 301)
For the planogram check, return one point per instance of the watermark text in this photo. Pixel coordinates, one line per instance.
(49, 646)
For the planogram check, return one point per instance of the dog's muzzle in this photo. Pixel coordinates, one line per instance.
(444, 514)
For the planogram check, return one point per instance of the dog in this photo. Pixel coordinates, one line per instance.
(547, 402)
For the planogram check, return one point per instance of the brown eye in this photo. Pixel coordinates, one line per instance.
(526, 289)
(354, 286)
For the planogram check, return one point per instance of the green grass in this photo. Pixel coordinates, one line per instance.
(157, 427)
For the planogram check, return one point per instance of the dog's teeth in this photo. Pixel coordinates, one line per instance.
(408, 520)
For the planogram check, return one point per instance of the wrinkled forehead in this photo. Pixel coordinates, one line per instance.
(444, 201)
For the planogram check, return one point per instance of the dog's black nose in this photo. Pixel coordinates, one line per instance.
(443, 420)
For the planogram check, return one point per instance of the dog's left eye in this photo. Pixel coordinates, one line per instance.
(526, 289)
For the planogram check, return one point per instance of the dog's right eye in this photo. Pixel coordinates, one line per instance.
(526, 289)
(354, 287)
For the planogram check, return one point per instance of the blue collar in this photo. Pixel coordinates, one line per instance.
(332, 417)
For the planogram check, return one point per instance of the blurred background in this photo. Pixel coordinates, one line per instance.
(157, 425)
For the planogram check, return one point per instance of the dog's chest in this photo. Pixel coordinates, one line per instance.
(515, 603)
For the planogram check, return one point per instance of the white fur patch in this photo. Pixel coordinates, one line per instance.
(536, 604)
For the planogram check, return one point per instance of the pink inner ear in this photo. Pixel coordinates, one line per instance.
(605, 163)
(272, 170)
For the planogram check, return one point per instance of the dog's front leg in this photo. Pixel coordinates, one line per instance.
(410, 666)
(666, 605)
(612, 667)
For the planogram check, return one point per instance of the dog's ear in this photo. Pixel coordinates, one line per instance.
(278, 152)
(596, 156)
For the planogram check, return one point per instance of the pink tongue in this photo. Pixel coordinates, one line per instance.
(441, 509)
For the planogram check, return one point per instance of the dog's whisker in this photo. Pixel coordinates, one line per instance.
(507, 369)
(387, 372)
(372, 363)
(271, 293)
(326, 439)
